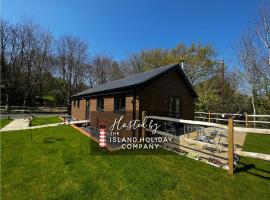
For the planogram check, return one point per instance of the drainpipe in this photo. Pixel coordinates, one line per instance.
(134, 111)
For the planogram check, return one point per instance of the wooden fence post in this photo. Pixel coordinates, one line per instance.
(246, 119)
(143, 116)
(209, 117)
(230, 146)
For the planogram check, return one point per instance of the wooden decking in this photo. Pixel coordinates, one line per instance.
(188, 143)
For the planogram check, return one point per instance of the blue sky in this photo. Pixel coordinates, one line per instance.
(120, 27)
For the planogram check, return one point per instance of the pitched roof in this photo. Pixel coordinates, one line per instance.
(135, 80)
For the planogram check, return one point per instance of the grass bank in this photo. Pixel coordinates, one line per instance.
(45, 120)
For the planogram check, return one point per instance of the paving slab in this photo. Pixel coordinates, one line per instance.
(22, 124)
(16, 124)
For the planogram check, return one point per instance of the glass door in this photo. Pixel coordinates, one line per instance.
(174, 107)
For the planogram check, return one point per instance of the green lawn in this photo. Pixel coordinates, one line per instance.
(4, 122)
(45, 120)
(57, 165)
(257, 143)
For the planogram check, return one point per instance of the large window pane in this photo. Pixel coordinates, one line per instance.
(100, 104)
(120, 103)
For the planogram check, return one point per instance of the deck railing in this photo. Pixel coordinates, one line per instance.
(229, 127)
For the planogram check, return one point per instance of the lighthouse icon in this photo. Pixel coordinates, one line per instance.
(102, 138)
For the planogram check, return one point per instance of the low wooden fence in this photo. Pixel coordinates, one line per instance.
(230, 136)
(37, 109)
(241, 119)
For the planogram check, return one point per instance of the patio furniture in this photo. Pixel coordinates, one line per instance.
(169, 128)
(204, 138)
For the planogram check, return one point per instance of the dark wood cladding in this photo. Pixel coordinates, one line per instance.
(154, 96)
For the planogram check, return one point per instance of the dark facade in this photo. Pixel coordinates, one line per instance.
(163, 93)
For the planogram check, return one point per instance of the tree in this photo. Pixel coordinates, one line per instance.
(25, 51)
(71, 59)
(89, 75)
(116, 71)
(199, 61)
(263, 32)
(102, 68)
(133, 65)
(5, 42)
(253, 50)
(105, 69)
(27, 60)
(199, 65)
(35, 56)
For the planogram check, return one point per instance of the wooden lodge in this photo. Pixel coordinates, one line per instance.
(165, 91)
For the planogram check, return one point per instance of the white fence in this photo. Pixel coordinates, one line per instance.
(192, 122)
(244, 119)
(230, 137)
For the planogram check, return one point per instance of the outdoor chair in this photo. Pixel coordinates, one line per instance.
(217, 141)
(169, 128)
(200, 131)
(211, 137)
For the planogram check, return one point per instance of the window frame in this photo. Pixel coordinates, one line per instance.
(98, 106)
(117, 108)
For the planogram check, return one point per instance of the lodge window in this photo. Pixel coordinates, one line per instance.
(78, 103)
(174, 107)
(120, 103)
(74, 103)
(100, 104)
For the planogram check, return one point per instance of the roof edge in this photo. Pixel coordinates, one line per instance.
(170, 67)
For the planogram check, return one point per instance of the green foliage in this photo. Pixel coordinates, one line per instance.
(263, 105)
(210, 96)
(205, 72)
(57, 165)
(49, 99)
(198, 60)
(58, 97)
(201, 68)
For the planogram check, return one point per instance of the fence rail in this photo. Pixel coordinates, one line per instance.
(22, 109)
(230, 137)
(245, 119)
(216, 125)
